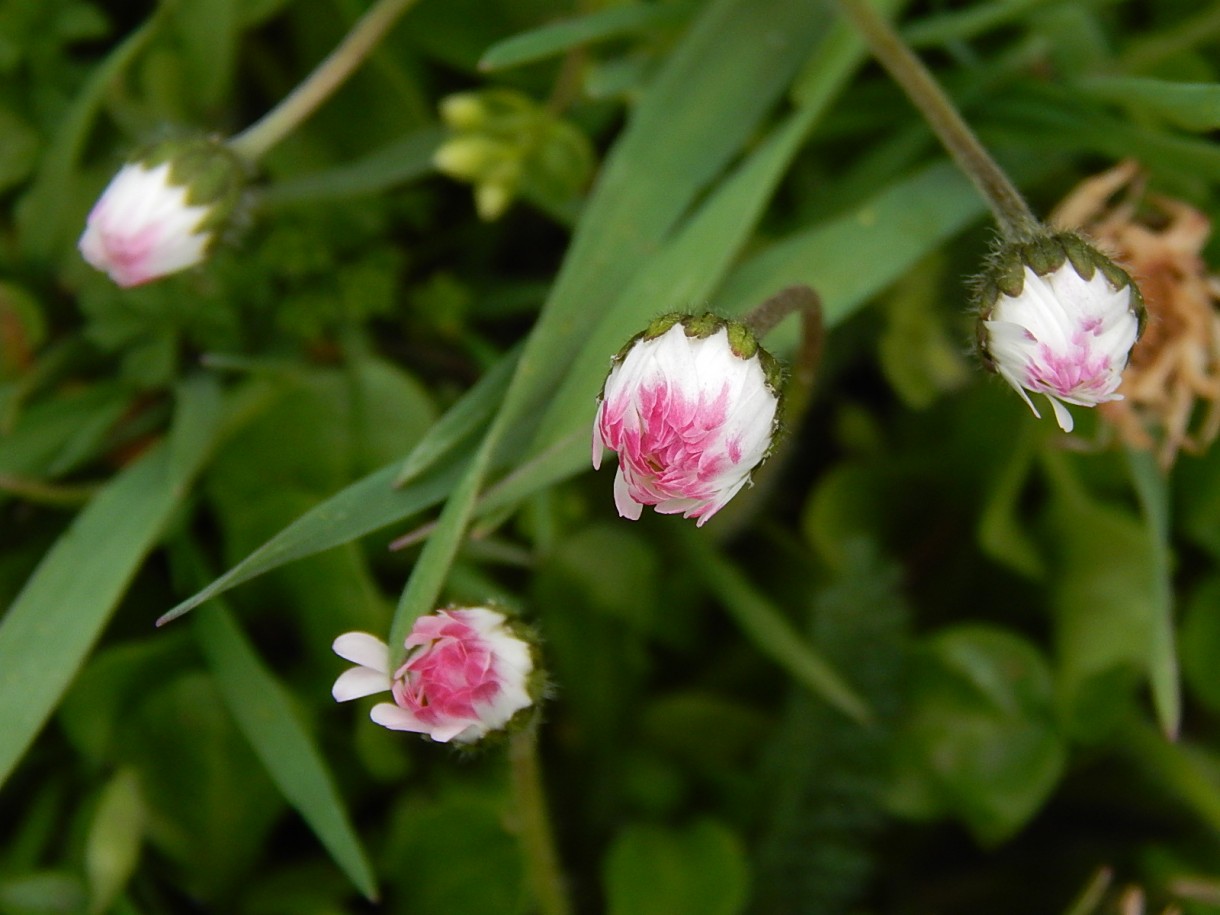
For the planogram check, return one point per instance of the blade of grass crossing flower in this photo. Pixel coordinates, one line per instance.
(698, 113)
(61, 611)
(265, 715)
(700, 110)
(1164, 681)
(691, 265)
(684, 272)
(768, 630)
(559, 37)
(561, 449)
(432, 568)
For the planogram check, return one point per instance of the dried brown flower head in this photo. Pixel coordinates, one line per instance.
(1171, 386)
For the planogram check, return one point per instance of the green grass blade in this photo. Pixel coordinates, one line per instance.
(391, 165)
(559, 37)
(1191, 106)
(768, 630)
(878, 232)
(472, 411)
(265, 715)
(432, 568)
(702, 108)
(1163, 677)
(40, 214)
(680, 277)
(897, 227)
(61, 611)
(367, 505)
(699, 112)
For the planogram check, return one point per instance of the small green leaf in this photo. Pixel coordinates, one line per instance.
(461, 855)
(979, 739)
(1201, 643)
(848, 503)
(559, 37)
(210, 805)
(699, 870)
(112, 848)
(1111, 599)
(1000, 529)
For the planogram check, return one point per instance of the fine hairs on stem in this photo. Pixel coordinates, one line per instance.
(1013, 215)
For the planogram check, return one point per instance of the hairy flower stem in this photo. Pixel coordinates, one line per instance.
(328, 76)
(533, 825)
(1016, 221)
(767, 314)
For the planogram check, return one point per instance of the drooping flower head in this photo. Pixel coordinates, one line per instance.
(468, 673)
(691, 407)
(163, 211)
(1058, 318)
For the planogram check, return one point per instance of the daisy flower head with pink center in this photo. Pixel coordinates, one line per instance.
(164, 210)
(1058, 318)
(691, 406)
(468, 672)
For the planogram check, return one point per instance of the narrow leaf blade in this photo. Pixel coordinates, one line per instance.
(265, 715)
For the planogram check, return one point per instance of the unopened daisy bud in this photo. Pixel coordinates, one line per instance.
(469, 672)
(163, 211)
(1058, 318)
(691, 407)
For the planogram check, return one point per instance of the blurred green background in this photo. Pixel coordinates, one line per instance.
(512, 188)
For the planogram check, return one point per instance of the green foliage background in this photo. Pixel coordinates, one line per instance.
(938, 660)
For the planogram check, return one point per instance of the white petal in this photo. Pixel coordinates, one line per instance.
(1062, 415)
(357, 682)
(443, 733)
(397, 718)
(363, 649)
(627, 506)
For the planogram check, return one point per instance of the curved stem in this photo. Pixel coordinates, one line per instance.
(541, 860)
(328, 76)
(767, 314)
(1013, 214)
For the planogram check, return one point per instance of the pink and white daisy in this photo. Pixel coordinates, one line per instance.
(1065, 337)
(163, 211)
(466, 674)
(142, 227)
(691, 408)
